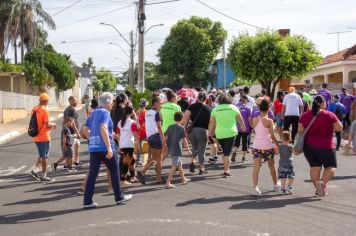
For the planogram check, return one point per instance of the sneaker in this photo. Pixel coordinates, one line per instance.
(216, 158)
(47, 179)
(71, 169)
(81, 191)
(34, 175)
(141, 177)
(290, 189)
(283, 192)
(126, 198)
(323, 186)
(91, 206)
(227, 174)
(319, 188)
(212, 161)
(256, 192)
(233, 158)
(191, 167)
(65, 166)
(54, 167)
(277, 188)
(203, 172)
(244, 160)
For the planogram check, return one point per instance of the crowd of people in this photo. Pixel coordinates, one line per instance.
(224, 121)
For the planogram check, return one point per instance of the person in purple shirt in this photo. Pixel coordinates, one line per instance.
(325, 93)
(346, 100)
(245, 112)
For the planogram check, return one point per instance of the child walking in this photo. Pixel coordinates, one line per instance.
(175, 135)
(286, 168)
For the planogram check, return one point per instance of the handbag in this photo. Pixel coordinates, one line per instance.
(190, 126)
(299, 145)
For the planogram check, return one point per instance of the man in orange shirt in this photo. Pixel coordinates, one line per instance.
(43, 138)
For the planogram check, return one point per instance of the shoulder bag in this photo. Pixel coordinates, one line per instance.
(191, 125)
(299, 145)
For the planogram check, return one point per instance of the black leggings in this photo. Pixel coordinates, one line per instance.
(127, 163)
(244, 137)
(338, 140)
(346, 120)
(291, 120)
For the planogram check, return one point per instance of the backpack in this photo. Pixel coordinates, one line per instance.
(33, 126)
(338, 113)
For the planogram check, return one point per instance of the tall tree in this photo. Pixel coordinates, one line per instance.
(267, 57)
(107, 79)
(191, 48)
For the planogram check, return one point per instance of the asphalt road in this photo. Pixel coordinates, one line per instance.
(209, 205)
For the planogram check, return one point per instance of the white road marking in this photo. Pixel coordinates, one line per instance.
(11, 170)
(9, 135)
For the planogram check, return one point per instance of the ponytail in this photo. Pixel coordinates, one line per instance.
(127, 113)
(316, 106)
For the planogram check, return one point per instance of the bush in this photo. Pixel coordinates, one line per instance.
(136, 96)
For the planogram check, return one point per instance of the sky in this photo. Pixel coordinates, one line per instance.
(80, 34)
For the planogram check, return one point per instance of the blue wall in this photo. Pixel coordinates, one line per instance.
(230, 75)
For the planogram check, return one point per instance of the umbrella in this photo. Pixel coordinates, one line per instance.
(187, 92)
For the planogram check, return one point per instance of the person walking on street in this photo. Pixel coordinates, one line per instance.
(319, 149)
(223, 123)
(245, 112)
(346, 100)
(102, 149)
(286, 167)
(339, 110)
(169, 109)
(175, 136)
(141, 114)
(155, 139)
(196, 118)
(325, 93)
(263, 147)
(43, 138)
(277, 109)
(70, 111)
(291, 111)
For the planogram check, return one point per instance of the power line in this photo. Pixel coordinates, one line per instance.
(92, 17)
(153, 3)
(230, 17)
(66, 8)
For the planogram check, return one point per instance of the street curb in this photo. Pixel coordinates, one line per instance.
(14, 134)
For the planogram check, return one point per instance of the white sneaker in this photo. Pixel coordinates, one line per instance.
(277, 188)
(256, 192)
(93, 205)
(126, 198)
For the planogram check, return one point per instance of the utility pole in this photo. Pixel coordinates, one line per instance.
(132, 64)
(338, 37)
(224, 64)
(141, 43)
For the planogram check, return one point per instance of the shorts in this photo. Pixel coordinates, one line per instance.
(68, 152)
(227, 145)
(279, 121)
(43, 149)
(155, 141)
(265, 155)
(286, 172)
(176, 160)
(318, 157)
(127, 151)
(76, 141)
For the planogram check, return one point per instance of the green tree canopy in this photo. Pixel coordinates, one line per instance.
(267, 57)
(56, 64)
(190, 49)
(107, 79)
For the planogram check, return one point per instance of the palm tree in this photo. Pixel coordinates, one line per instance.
(5, 15)
(24, 18)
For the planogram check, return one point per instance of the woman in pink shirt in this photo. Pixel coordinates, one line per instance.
(263, 147)
(319, 148)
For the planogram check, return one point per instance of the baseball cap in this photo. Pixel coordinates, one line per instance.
(44, 97)
(337, 97)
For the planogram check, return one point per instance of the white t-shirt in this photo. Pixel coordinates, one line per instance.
(249, 104)
(151, 119)
(126, 133)
(292, 101)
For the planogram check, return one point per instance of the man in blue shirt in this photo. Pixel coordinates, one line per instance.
(102, 149)
(340, 111)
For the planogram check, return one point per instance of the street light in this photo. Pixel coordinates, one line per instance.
(131, 45)
(152, 26)
(120, 48)
(122, 60)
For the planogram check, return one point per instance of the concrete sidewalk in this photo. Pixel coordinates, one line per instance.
(16, 128)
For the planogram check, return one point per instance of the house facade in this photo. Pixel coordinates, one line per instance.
(217, 72)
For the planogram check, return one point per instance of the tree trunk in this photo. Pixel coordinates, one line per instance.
(15, 51)
(275, 83)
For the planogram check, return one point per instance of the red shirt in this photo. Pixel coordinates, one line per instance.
(141, 120)
(320, 134)
(277, 106)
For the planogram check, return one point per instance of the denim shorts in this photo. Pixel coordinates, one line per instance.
(43, 149)
(279, 120)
